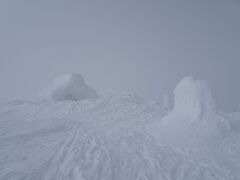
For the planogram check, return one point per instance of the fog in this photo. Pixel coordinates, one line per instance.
(140, 46)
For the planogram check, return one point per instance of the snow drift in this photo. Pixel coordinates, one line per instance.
(68, 87)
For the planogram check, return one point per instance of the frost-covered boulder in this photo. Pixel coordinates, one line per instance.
(68, 87)
(194, 97)
(194, 118)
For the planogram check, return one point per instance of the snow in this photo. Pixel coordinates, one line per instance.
(194, 96)
(118, 136)
(68, 87)
(194, 119)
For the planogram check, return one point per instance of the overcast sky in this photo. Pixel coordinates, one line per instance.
(145, 46)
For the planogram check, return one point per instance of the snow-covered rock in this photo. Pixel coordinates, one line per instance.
(194, 118)
(194, 97)
(68, 87)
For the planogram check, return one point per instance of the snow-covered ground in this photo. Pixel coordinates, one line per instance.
(120, 137)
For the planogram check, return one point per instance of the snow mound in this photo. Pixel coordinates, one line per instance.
(194, 118)
(68, 87)
(195, 97)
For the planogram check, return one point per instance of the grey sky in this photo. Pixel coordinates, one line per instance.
(145, 46)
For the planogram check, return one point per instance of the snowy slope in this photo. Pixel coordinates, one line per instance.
(110, 138)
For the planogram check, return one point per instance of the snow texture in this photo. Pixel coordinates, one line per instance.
(118, 137)
(68, 87)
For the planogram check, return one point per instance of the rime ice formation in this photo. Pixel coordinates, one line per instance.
(194, 116)
(194, 97)
(68, 87)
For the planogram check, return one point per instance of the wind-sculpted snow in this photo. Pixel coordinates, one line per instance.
(68, 87)
(194, 119)
(194, 97)
(109, 138)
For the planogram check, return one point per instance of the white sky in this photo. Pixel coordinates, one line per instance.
(136, 45)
